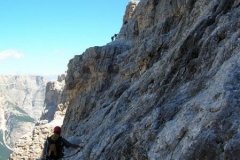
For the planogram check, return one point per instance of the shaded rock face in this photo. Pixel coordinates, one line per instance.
(52, 99)
(21, 104)
(30, 145)
(168, 88)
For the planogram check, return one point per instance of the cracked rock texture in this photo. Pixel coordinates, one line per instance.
(167, 88)
(21, 105)
(30, 145)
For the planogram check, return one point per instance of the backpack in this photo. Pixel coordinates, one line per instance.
(54, 148)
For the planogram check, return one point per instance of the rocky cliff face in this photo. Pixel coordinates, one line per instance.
(30, 145)
(129, 11)
(21, 104)
(26, 92)
(168, 88)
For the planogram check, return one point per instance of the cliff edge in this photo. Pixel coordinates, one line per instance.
(167, 88)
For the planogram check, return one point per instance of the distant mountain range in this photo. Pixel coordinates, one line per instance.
(21, 104)
(29, 146)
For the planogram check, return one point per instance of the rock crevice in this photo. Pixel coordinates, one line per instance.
(169, 87)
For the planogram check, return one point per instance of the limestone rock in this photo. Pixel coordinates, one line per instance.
(30, 145)
(61, 78)
(168, 89)
(129, 11)
(52, 99)
(21, 104)
(26, 92)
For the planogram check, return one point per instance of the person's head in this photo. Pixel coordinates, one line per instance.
(57, 130)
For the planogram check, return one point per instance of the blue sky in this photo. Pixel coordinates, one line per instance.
(39, 37)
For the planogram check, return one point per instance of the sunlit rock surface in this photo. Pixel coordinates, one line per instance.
(30, 145)
(168, 88)
(21, 104)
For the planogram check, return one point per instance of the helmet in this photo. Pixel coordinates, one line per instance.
(57, 129)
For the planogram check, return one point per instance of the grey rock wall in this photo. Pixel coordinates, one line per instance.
(21, 104)
(22, 99)
(168, 88)
(30, 145)
(26, 92)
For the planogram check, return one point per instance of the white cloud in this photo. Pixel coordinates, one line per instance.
(10, 54)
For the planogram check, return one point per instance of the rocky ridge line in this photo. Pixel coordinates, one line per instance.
(30, 145)
(21, 99)
(168, 88)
